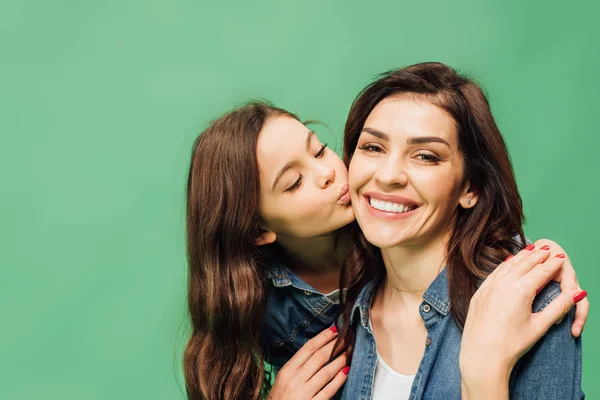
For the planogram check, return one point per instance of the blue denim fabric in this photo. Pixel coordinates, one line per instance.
(550, 370)
(295, 313)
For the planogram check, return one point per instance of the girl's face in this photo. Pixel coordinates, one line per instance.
(303, 184)
(406, 174)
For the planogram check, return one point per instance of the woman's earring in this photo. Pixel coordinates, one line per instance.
(468, 202)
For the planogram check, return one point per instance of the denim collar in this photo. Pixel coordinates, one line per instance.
(436, 296)
(280, 275)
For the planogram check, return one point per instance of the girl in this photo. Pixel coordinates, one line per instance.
(433, 189)
(266, 201)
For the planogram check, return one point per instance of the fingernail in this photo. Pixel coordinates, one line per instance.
(530, 247)
(579, 296)
(333, 329)
(578, 331)
(346, 370)
(561, 255)
(546, 247)
(509, 257)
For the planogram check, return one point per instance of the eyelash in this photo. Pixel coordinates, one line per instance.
(369, 148)
(321, 151)
(296, 184)
(426, 157)
(429, 158)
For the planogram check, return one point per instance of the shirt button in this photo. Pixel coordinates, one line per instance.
(306, 292)
(426, 308)
(428, 342)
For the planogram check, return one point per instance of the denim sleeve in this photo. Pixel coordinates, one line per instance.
(552, 368)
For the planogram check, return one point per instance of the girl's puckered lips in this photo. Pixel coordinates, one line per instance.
(344, 196)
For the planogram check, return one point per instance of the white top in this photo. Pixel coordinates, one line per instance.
(389, 384)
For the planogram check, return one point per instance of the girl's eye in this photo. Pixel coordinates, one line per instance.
(370, 148)
(296, 184)
(321, 151)
(430, 158)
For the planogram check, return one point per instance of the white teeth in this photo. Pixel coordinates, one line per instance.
(388, 206)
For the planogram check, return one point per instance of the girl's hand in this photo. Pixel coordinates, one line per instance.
(309, 374)
(501, 326)
(568, 283)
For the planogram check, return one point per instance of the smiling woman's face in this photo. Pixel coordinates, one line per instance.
(406, 173)
(303, 184)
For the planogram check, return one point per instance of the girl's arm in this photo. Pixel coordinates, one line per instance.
(501, 325)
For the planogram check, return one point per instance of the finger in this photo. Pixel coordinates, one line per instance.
(581, 315)
(311, 347)
(332, 387)
(500, 270)
(513, 260)
(529, 260)
(315, 362)
(326, 374)
(554, 311)
(538, 278)
(567, 276)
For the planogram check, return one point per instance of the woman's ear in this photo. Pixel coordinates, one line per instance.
(265, 237)
(469, 197)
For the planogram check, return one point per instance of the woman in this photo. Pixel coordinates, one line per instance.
(433, 190)
(265, 204)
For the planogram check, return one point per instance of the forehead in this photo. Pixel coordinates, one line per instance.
(408, 116)
(281, 140)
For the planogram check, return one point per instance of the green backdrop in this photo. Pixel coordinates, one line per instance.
(100, 102)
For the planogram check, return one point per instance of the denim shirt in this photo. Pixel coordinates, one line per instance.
(550, 370)
(295, 313)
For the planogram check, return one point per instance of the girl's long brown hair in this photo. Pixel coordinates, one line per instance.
(226, 282)
(483, 236)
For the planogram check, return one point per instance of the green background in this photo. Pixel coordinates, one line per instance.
(100, 102)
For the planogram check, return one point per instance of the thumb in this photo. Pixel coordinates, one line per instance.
(556, 310)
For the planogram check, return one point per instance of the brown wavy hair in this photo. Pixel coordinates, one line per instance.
(226, 280)
(483, 236)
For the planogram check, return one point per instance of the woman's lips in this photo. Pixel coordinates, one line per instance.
(387, 214)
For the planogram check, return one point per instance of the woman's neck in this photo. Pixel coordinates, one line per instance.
(411, 269)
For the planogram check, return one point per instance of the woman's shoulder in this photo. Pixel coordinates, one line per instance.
(545, 296)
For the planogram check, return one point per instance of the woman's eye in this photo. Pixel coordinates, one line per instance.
(430, 158)
(295, 185)
(370, 148)
(321, 151)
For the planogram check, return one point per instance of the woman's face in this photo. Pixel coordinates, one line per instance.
(406, 174)
(303, 184)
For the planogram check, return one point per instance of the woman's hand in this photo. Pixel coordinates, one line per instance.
(501, 326)
(568, 283)
(309, 374)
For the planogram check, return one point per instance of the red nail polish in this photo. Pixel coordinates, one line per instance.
(346, 370)
(561, 255)
(579, 296)
(530, 247)
(333, 329)
(546, 247)
(509, 257)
